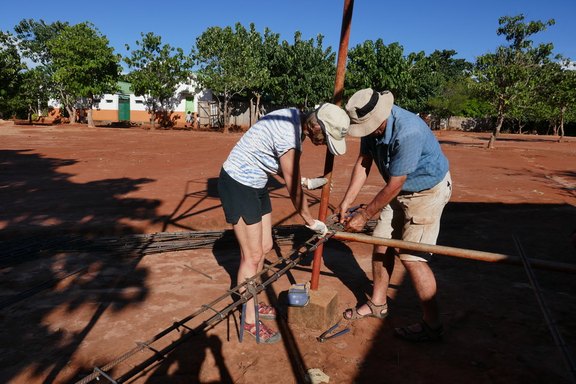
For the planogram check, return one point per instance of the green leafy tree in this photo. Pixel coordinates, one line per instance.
(414, 80)
(85, 66)
(11, 69)
(430, 75)
(302, 74)
(528, 108)
(558, 90)
(33, 37)
(506, 74)
(231, 62)
(33, 92)
(458, 98)
(379, 66)
(265, 47)
(156, 72)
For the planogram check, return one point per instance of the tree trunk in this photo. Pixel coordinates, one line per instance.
(90, 119)
(152, 120)
(562, 111)
(225, 115)
(71, 114)
(252, 112)
(498, 126)
(258, 98)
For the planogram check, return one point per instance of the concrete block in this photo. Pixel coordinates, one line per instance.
(320, 313)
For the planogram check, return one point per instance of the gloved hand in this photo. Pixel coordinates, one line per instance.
(314, 183)
(319, 227)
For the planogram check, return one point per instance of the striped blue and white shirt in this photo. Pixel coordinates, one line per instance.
(408, 147)
(257, 154)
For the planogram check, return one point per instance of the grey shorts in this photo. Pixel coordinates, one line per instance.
(415, 217)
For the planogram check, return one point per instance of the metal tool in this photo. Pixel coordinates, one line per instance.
(333, 221)
(327, 335)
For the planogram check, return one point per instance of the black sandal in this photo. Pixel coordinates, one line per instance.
(419, 332)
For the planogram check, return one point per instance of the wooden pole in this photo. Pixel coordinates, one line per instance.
(329, 161)
(455, 252)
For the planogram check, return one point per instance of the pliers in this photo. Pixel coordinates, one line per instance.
(327, 336)
(333, 221)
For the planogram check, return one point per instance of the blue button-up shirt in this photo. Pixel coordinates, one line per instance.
(408, 147)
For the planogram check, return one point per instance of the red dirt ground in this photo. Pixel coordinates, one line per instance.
(62, 180)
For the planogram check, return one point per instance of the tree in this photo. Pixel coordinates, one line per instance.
(414, 80)
(504, 75)
(302, 74)
(33, 37)
(375, 65)
(230, 62)
(430, 75)
(11, 69)
(157, 71)
(85, 66)
(33, 92)
(558, 89)
(266, 47)
(458, 98)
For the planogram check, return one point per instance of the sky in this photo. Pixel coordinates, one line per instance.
(467, 27)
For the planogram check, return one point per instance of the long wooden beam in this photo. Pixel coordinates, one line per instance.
(455, 252)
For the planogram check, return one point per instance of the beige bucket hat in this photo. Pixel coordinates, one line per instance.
(335, 123)
(367, 109)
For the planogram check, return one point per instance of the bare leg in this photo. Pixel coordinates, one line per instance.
(425, 286)
(255, 241)
(382, 267)
(267, 242)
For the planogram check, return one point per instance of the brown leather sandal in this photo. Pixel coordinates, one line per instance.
(377, 311)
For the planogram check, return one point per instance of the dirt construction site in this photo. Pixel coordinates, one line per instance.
(115, 247)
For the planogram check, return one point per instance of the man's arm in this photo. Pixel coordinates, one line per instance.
(383, 198)
(359, 175)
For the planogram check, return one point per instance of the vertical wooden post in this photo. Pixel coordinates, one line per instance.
(329, 161)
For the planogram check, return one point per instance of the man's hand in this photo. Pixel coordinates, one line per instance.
(357, 220)
(343, 213)
(319, 227)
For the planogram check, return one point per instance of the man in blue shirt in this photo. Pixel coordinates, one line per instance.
(417, 187)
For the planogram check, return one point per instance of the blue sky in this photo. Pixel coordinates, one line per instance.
(464, 26)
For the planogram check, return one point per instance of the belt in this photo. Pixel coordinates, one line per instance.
(404, 193)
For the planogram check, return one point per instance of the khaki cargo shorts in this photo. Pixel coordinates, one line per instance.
(415, 217)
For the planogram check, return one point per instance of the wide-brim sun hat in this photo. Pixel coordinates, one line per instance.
(335, 123)
(367, 110)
